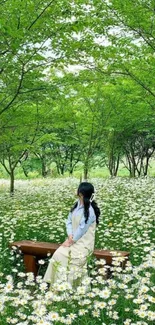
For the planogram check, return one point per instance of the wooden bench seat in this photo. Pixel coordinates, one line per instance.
(34, 250)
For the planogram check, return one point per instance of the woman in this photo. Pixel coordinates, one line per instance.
(72, 255)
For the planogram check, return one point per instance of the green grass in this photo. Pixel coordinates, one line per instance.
(38, 211)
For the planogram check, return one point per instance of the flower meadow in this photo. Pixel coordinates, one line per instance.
(38, 211)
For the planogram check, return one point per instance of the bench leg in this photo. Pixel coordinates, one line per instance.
(30, 264)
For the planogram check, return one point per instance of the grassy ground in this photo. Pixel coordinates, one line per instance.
(38, 211)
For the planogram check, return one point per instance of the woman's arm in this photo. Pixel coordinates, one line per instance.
(83, 227)
(69, 225)
(69, 231)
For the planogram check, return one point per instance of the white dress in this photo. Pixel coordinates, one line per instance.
(70, 263)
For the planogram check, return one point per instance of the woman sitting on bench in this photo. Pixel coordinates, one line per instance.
(72, 255)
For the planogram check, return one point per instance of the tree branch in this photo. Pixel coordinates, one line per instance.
(17, 91)
(42, 12)
(129, 74)
(3, 164)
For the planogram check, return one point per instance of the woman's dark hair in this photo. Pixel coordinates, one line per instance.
(87, 189)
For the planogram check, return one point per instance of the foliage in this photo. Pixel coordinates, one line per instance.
(76, 88)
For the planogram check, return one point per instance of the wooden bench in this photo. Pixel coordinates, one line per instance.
(34, 251)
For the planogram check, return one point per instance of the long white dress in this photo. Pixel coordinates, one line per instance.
(73, 259)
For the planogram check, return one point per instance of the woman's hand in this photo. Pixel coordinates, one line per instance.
(68, 242)
(70, 238)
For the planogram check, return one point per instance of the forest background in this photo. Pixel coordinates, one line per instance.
(77, 88)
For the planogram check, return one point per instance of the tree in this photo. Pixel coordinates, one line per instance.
(17, 134)
(112, 143)
(139, 147)
(130, 128)
(124, 42)
(85, 96)
(107, 108)
(35, 37)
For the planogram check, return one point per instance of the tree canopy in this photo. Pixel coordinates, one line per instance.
(77, 82)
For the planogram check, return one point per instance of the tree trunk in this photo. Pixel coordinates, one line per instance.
(80, 178)
(12, 180)
(132, 170)
(86, 171)
(71, 171)
(58, 169)
(117, 165)
(43, 165)
(145, 167)
(62, 169)
(113, 164)
(25, 171)
(131, 163)
(71, 162)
